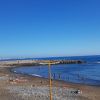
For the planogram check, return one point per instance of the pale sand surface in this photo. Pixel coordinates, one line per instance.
(21, 87)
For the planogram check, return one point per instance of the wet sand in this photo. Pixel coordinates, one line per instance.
(22, 87)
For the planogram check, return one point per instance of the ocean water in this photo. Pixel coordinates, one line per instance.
(88, 73)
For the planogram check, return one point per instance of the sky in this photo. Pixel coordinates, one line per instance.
(42, 28)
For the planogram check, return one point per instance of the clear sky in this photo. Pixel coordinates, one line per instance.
(39, 28)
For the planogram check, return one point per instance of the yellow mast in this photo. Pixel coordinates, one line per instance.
(50, 81)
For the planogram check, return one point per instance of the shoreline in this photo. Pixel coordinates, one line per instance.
(38, 76)
(18, 81)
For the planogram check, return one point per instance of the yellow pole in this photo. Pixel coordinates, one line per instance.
(50, 81)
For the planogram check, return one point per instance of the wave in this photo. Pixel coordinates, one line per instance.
(36, 75)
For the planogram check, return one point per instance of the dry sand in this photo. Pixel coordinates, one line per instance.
(21, 87)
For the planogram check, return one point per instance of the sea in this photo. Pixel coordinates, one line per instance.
(87, 73)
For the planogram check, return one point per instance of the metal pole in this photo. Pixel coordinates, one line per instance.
(50, 81)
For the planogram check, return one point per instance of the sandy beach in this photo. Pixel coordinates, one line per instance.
(22, 87)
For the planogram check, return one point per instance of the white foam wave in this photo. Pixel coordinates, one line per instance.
(98, 62)
(36, 75)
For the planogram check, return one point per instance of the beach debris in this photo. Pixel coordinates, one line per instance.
(17, 80)
(76, 91)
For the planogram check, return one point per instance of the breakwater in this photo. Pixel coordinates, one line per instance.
(39, 62)
(71, 62)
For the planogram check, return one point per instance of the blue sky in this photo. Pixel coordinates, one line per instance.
(39, 28)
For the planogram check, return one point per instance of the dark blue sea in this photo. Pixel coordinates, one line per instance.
(87, 73)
